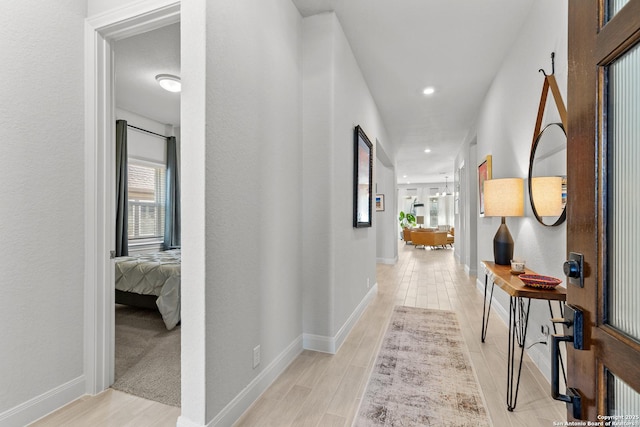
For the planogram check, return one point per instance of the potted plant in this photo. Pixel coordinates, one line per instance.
(407, 220)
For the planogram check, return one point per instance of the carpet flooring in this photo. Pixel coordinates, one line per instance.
(147, 356)
(422, 375)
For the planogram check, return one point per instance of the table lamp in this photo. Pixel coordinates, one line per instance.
(503, 197)
(420, 220)
(546, 192)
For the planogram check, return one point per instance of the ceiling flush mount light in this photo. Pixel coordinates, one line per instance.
(428, 150)
(169, 82)
(428, 90)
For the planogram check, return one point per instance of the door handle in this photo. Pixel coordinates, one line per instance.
(573, 333)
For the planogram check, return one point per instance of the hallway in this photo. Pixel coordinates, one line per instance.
(323, 390)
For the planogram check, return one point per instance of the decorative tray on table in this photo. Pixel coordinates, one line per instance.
(538, 281)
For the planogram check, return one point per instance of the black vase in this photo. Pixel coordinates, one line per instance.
(503, 245)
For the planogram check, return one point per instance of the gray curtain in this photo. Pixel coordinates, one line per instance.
(122, 194)
(172, 202)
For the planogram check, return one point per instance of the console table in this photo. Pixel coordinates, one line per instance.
(518, 315)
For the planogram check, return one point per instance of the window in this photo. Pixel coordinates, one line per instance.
(146, 200)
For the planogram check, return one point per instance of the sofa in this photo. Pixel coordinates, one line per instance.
(429, 238)
(407, 233)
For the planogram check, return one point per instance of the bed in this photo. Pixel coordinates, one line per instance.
(151, 281)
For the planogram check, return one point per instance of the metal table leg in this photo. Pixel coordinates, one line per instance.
(485, 311)
(518, 321)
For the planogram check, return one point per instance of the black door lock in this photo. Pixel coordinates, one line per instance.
(574, 269)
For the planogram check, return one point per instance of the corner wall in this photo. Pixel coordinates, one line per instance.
(242, 197)
(42, 208)
(505, 130)
(385, 222)
(339, 269)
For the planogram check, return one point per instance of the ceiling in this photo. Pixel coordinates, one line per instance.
(455, 46)
(138, 60)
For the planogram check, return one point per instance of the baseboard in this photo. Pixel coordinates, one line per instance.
(184, 422)
(319, 343)
(42, 405)
(243, 401)
(331, 345)
(390, 261)
(470, 272)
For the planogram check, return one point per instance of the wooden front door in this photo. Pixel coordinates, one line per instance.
(603, 209)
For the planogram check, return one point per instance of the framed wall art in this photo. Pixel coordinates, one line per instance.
(362, 178)
(379, 202)
(484, 173)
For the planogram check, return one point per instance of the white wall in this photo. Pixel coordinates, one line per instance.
(467, 217)
(317, 171)
(42, 208)
(142, 145)
(97, 7)
(385, 222)
(339, 260)
(242, 199)
(505, 130)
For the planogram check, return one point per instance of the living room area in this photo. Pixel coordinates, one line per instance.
(426, 214)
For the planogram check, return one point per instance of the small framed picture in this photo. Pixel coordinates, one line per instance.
(379, 202)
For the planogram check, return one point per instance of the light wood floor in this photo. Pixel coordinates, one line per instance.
(322, 390)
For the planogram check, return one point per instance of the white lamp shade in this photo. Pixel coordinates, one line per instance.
(546, 192)
(504, 197)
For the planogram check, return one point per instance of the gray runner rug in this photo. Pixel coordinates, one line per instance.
(147, 356)
(422, 375)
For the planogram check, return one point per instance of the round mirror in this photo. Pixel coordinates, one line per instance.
(548, 175)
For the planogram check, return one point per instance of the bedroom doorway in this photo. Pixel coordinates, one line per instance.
(148, 256)
(101, 36)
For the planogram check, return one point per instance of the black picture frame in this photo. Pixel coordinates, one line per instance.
(362, 179)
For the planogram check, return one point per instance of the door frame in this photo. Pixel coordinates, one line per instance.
(99, 320)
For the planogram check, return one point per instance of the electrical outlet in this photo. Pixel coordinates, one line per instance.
(256, 356)
(544, 330)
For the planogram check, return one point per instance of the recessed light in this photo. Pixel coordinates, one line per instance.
(169, 82)
(428, 150)
(428, 90)
(404, 176)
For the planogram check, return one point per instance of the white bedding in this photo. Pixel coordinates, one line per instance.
(153, 274)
